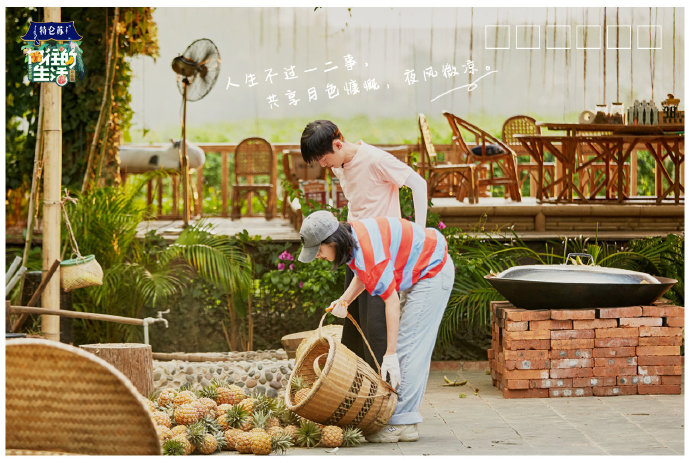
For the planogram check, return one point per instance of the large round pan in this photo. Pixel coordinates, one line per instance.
(538, 295)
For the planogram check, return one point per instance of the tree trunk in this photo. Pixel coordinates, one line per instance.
(135, 361)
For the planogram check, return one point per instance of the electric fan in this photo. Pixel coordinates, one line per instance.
(197, 71)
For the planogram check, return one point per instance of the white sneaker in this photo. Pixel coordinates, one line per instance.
(395, 433)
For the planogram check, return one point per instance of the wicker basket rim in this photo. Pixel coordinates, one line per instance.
(324, 372)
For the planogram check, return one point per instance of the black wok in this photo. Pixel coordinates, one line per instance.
(577, 286)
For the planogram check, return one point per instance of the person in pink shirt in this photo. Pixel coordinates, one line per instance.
(371, 179)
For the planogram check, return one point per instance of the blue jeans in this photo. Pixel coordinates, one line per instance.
(419, 321)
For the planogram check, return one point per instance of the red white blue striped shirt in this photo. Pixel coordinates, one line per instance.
(393, 254)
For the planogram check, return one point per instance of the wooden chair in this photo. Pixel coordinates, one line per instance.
(295, 169)
(60, 399)
(316, 190)
(505, 160)
(444, 180)
(527, 170)
(254, 158)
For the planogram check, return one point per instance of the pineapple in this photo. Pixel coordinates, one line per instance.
(173, 447)
(166, 397)
(208, 445)
(220, 439)
(259, 420)
(230, 437)
(248, 404)
(260, 442)
(272, 422)
(331, 436)
(208, 392)
(236, 417)
(200, 408)
(308, 434)
(243, 442)
(273, 430)
(230, 395)
(161, 418)
(150, 405)
(188, 447)
(209, 405)
(264, 404)
(222, 409)
(186, 413)
(280, 442)
(196, 433)
(301, 388)
(184, 397)
(163, 433)
(179, 429)
(352, 436)
(291, 431)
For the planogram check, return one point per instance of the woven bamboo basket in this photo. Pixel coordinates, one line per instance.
(61, 399)
(345, 389)
(80, 272)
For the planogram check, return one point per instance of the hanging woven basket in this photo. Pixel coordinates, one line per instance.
(81, 272)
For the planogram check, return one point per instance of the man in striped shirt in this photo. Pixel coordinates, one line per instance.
(389, 255)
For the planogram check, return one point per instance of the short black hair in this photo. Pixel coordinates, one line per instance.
(344, 244)
(317, 140)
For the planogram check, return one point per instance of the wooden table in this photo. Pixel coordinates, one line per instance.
(613, 149)
(576, 128)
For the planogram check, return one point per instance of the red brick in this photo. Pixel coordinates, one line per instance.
(658, 389)
(616, 362)
(675, 321)
(552, 382)
(551, 325)
(527, 374)
(596, 323)
(594, 381)
(528, 364)
(658, 350)
(526, 354)
(668, 380)
(571, 353)
(521, 335)
(637, 379)
(661, 341)
(663, 370)
(526, 344)
(640, 321)
(522, 315)
(572, 343)
(615, 342)
(614, 351)
(660, 331)
(617, 332)
(572, 363)
(614, 390)
(570, 372)
(516, 326)
(618, 312)
(572, 334)
(570, 392)
(575, 314)
(663, 311)
(659, 360)
(614, 371)
(525, 393)
(517, 384)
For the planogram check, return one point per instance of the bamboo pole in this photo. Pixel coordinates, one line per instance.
(73, 314)
(52, 180)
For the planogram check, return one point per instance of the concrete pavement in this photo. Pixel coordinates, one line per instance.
(488, 424)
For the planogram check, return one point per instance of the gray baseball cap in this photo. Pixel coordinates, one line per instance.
(318, 226)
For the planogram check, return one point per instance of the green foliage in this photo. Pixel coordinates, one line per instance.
(468, 309)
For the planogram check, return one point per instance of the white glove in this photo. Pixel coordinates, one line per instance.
(391, 367)
(338, 308)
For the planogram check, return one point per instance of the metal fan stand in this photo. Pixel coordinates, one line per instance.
(184, 160)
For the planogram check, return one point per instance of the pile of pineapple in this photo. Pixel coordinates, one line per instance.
(222, 417)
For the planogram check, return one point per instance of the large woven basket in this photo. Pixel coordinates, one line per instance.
(61, 399)
(345, 389)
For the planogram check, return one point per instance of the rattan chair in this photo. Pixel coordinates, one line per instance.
(444, 180)
(295, 169)
(254, 160)
(502, 158)
(526, 125)
(60, 399)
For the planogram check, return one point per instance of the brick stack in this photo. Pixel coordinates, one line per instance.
(585, 352)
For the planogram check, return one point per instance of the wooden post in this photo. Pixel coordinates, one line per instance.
(52, 180)
(135, 361)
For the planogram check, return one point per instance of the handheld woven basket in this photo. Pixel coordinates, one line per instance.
(80, 273)
(345, 389)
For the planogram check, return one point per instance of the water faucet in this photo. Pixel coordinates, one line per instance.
(150, 320)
